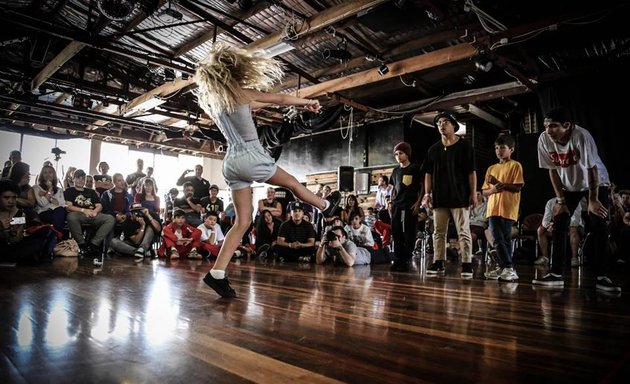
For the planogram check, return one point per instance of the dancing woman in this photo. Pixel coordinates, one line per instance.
(230, 82)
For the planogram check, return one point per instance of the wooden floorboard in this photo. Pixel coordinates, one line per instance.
(157, 322)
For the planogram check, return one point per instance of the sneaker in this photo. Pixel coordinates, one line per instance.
(467, 271)
(436, 267)
(220, 286)
(174, 253)
(508, 274)
(237, 254)
(550, 280)
(493, 275)
(139, 255)
(575, 262)
(334, 199)
(541, 260)
(193, 254)
(605, 284)
(263, 249)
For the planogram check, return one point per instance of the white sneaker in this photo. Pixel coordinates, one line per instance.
(542, 260)
(139, 255)
(193, 254)
(508, 274)
(492, 275)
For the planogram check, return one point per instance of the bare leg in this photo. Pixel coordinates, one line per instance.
(243, 210)
(286, 180)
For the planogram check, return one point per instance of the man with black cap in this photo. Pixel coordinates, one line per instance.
(212, 203)
(296, 237)
(450, 186)
(569, 152)
(406, 179)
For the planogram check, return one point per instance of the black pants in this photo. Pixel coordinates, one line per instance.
(404, 233)
(598, 229)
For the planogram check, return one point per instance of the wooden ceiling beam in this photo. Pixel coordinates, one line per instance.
(428, 60)
(320, 21)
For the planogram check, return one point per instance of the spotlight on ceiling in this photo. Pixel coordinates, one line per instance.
(383, 69)
(116, 9)
(339, 54)
(483, 65)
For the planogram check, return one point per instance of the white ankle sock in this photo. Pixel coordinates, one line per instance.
(217, 274)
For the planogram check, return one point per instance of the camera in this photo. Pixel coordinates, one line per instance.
(331, 236)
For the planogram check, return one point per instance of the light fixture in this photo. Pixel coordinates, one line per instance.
(116, 9)
(277, 49)
(483, 65)
(383, 69)
(340, 54)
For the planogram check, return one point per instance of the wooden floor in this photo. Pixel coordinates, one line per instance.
(158, 323)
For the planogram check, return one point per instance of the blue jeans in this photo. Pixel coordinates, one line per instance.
(501, 230)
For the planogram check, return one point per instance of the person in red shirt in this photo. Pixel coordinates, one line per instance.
(180, 239)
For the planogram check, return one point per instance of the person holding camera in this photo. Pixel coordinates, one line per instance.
(201, 186)
(337, 248)
(138, 229)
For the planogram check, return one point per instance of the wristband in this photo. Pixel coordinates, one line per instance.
(560, 201)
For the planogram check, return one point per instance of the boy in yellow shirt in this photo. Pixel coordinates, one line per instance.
(502, 186)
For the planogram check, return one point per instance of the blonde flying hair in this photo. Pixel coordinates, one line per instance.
(226, 71)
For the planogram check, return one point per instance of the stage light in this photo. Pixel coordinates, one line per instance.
(339, 54)
(484, 65)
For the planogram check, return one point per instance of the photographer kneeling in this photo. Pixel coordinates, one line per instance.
(337, 248)
(139, 230)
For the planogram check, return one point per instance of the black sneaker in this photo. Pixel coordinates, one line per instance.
(436, 267)
(605, 284)
(220, 286)
(263, 248)
(467, 271)
(550, 280)
(334, 199)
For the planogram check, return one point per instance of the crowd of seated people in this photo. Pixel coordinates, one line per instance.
(125, 215)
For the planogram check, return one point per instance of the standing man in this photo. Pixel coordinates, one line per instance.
(200, 185)
(14, 157)
(133, 178)
(405, 205)
(450, 185)
(103, 181)
(569, 152)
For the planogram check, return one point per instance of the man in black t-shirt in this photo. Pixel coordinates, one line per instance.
(296, 237)
(103, 181)
(84, 207)
(450, 185)
(212, 203)
(190, 205)
(139, 229)
(405, 205)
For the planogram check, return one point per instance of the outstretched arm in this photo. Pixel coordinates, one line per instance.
(280, 99)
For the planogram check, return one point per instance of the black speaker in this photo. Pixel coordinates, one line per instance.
(345, 178)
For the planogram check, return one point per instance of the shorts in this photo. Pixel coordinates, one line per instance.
(245, 163)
